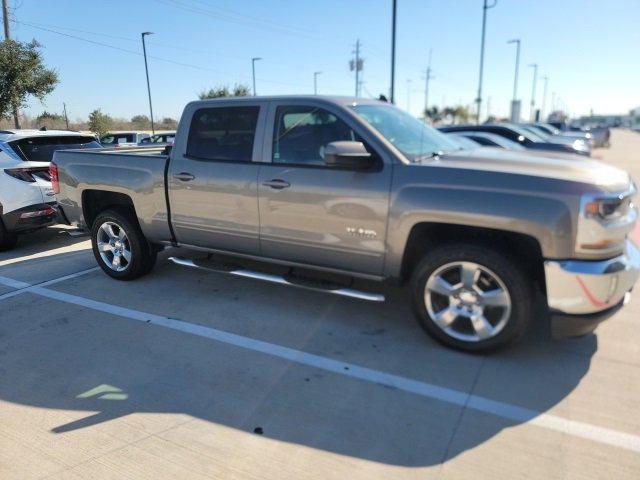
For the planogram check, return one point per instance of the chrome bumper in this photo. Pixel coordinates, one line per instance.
(576, 287)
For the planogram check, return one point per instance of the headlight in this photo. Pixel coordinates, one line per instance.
(604, 223)
(581, 145)
(608, 209)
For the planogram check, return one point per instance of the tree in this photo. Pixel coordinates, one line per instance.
(239, 90)
(49, 120)
(169, 122)
(141, 120)
(99, 123)
(22, 74)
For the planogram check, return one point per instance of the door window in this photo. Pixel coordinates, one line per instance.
(223, 134)
(301, 134)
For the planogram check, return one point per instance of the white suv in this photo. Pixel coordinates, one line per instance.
(26, 197)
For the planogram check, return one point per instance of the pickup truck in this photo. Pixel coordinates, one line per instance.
(333, 193)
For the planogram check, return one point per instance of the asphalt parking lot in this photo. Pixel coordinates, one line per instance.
(184, 374)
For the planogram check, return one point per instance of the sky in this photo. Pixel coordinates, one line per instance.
(588, 49)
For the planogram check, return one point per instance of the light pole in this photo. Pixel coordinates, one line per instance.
(485, 7)
(533, 91)
(253, 69)
(544, 96)
(427, 79)
(146, 68)
(515, 80)
(315, 82)
(408, 94)
(393, 50)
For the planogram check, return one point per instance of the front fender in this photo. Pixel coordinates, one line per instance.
(545, 217)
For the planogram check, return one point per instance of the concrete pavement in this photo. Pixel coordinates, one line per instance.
(183, 374)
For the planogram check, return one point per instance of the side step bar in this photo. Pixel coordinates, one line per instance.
(317, 286)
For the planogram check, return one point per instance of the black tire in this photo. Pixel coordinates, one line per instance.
(143, 255)
(8, 240)
(508, 271)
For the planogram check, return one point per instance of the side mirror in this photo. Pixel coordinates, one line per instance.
(347, 155)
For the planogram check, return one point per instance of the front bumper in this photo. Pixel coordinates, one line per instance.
(581, 294)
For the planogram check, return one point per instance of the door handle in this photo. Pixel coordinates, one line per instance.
(184, 176)
(276, 184)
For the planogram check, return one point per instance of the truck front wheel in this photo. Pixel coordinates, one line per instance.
(471, 297)
(120, 247)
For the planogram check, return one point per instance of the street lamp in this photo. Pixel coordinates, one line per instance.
(315, 82)
(253, 69)
(544, 97)
(146, 68)
(485, 7)
(533, 91)
(393, 51)
(515, 80)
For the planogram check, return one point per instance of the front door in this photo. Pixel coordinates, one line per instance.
(313, 214)
(213, 181)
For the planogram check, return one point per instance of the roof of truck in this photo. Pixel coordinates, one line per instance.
(17, 133)
(342, 100)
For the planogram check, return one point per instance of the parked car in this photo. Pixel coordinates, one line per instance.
(159, 139)
(557, 136)
(123, 139)
(524, 137)
(464, 142)
(26, 198)
(490, 140)
(322, 192)
(600, 134)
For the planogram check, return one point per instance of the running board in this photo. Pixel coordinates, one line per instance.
(307, 284)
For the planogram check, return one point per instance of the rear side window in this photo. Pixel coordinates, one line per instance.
(223, 134)
(40, 149)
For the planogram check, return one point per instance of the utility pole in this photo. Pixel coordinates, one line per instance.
(393, 51)
(489, 106)
(7, 36)
(315, 82)
(356, 65)
(5, 17)
(532, 113)
(146, 68)
(427, 78)
(253, 70)
(544, 97)
(485, 7)
(66, 118)
(408, 94)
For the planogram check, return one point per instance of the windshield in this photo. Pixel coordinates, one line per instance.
(537, 131)
(413, 138)
(40, 149)
(465, 143)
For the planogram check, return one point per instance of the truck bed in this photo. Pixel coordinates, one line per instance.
(135, 174)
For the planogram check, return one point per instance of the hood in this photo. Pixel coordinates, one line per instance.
(572, 168)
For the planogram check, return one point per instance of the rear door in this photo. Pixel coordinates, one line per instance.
(212, 177)
(313, 214)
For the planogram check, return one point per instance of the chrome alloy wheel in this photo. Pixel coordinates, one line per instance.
(467, 301)
(114, 246)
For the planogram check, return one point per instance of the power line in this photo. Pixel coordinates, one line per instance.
(134, 52)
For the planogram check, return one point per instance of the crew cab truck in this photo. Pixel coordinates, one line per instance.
(324, 192)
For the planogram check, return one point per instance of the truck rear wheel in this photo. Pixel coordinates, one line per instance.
(120, 247)
(471, 297)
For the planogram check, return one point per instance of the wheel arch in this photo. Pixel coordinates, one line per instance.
(521, 248)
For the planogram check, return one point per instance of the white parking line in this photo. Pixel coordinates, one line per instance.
(481, 404)
(23, 287)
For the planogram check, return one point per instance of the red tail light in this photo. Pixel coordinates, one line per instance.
(53, 171)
